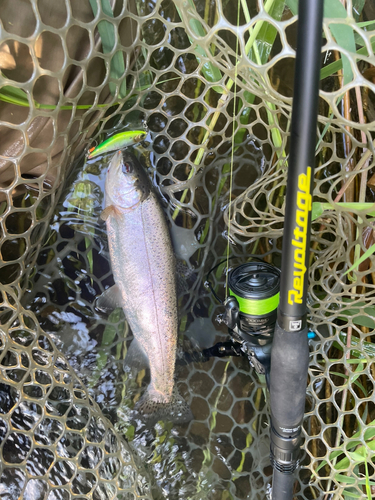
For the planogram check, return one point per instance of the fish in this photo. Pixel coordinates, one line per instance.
(143, 266)
(117, 142)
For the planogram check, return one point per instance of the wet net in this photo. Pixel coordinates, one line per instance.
(196, 73)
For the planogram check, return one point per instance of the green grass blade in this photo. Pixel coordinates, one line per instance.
(108, 338)
(345, 38)
(364, 319)
(357, 8)
(359, 261)
(210, 72)
(14, 95)
(367, 348)
(337, 65)
(353, 443)
(293, 6)
(368, 208)
(368, 486)
(108, 37)
(343, 33)
(267, 35)
(345, 479)
(348, 495)
(346, 377)
(364, 24)
(255, 41)
(105, 28)
(264, 41)
(318, 208)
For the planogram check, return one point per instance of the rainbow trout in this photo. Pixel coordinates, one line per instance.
(143, 266)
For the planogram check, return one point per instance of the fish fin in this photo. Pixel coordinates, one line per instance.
(109, 299)
(107, 212)
(151, 408)
(136, 356)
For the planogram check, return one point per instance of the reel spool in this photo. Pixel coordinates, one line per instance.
(254, 289)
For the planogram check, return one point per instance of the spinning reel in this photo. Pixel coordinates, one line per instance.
(250, 314)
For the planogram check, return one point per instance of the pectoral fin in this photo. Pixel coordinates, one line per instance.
(110, 210)
(109, 299)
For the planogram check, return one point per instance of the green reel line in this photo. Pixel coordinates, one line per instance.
(256, 287)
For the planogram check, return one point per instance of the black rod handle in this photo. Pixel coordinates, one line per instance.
(289, 365)
(282, 484)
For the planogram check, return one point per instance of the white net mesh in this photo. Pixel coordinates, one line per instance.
(84, 70)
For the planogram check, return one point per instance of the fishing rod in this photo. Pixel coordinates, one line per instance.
(290, 353)
(265, 310)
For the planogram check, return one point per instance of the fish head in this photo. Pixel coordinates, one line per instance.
(127, 183)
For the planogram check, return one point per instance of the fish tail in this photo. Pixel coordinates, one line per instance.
(151, 408)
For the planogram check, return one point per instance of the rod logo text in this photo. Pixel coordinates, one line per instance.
(300, 237)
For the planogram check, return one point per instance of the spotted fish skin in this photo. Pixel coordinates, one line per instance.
(143, 267)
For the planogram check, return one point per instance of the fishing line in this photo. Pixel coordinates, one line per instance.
(232, 152)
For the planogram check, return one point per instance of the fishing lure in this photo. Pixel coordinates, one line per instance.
(116, 142)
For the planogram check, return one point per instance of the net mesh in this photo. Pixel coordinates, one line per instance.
(195, 73)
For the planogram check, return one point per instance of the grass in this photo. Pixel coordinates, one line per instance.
(225, 91)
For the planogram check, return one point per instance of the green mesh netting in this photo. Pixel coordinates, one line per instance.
(76, 71)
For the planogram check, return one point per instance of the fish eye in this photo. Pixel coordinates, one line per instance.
(127, 168)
